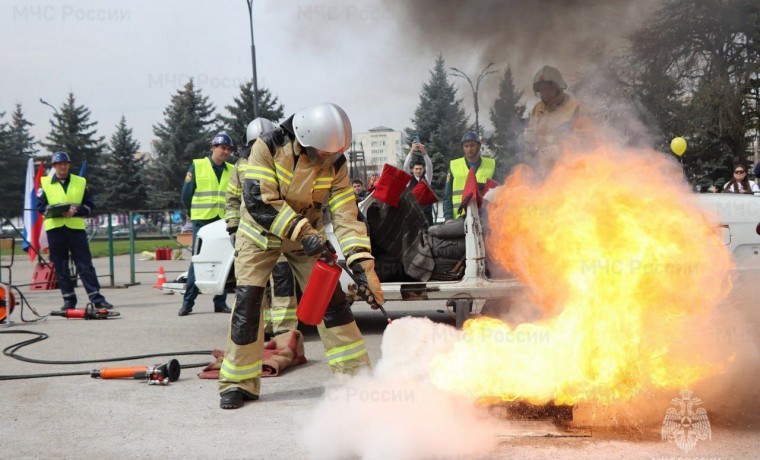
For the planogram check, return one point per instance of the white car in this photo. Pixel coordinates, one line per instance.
(739, 217)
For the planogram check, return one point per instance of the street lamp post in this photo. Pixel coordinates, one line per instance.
(474, 88)
(253, 61)
(49, 105)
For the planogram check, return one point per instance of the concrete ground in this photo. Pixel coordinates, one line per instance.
(80, 417)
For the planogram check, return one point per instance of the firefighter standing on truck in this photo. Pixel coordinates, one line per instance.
(292, 174)
(66, 233)
(280, 317)
(556, 122)
(458, 171)
(203, 194)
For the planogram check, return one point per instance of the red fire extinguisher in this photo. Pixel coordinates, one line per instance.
(318, 292)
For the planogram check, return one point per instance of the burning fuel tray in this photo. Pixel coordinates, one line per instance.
(523, 419)
(521, 410)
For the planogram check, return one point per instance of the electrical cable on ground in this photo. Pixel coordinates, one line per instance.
(11, 351)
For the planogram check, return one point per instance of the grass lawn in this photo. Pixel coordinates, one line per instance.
(99, 248)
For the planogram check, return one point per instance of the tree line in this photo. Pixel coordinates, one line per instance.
(690, 71)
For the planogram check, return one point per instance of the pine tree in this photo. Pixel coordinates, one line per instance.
(75, 134)
(693, 66)
(507, 119)
(16, 147)
(124, 172)
(184, 135)
(440, 122)
(241, 113)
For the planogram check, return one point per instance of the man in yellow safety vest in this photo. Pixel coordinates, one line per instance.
(204, 194)
(65, 200)
(458, 171)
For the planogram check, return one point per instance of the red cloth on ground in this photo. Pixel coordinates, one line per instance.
(283, 351)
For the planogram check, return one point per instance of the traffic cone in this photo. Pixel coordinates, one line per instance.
(161, 278)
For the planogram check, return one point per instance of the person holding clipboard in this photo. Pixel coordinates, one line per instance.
(65, 201)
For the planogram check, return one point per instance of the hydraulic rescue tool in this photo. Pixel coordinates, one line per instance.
(159, 374)
(90, 312)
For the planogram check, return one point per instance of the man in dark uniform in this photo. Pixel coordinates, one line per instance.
(66, 230)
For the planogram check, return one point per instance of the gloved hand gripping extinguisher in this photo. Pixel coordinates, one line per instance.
(319, 289)
(322, 282)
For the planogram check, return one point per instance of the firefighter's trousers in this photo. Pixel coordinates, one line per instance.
(281, 314)
(242, 365)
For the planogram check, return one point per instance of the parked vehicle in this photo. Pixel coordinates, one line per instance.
(213, 257)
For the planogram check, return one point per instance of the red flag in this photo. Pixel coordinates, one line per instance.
(490, 183)
(392, 182)
(424, 193)
(471, 190)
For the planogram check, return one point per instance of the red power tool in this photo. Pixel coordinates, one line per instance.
(90, 312)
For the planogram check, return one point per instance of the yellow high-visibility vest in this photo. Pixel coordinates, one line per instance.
(208, 199)
(460, 171)
(55, 194)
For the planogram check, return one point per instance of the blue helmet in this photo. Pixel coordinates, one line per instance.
(222, 138)
(470, 136)
(60, 157)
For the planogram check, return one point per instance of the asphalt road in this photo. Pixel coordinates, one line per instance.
(80, 417)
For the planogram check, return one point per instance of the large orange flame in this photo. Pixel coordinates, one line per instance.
(615, 251)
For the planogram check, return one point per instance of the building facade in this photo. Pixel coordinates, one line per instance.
(381, 145)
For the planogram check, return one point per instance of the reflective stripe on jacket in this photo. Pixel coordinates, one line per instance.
(56, 195)
(459, 171)
(234, 194)
(208, 198)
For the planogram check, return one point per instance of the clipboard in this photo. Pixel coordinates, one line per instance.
(57, 210)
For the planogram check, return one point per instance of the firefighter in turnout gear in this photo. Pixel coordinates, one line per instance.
(281, 315)
(203, 194)
(458, 171)
(557, 121)
(292, 175)
(66, 231)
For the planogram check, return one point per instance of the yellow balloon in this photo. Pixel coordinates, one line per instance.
(678, 145)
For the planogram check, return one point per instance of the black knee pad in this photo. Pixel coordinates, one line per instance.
(246, 315)
(339, 311)
(283, 280)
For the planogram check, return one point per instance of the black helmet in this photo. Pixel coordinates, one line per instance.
(60, 157)
(470, 136)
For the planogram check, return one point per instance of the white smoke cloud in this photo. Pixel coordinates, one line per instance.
(396, 413)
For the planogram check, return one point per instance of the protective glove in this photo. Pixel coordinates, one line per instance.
(369, 284)
(233, 233)
(314, 245)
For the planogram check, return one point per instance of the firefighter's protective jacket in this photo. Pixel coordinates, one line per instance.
(283, 189)
(551, 127)
(234, 197)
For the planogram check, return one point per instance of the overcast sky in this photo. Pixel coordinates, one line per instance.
(370, 57)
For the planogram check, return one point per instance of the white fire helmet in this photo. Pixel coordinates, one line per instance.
(325, 127)
(256, 128)
(550, 74)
